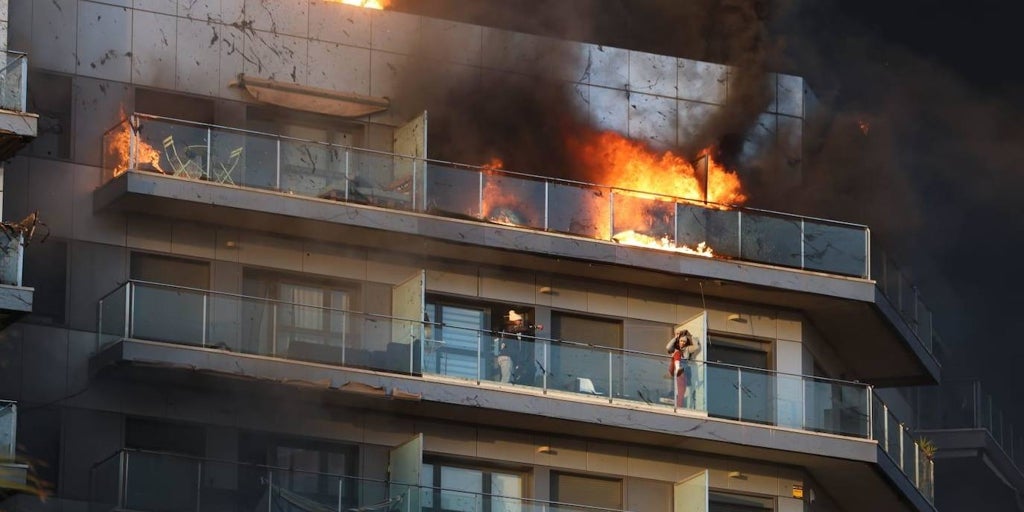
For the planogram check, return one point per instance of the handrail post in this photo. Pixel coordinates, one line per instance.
(129, 310)
(479, 355)
(871, 411)
(209, 150)
(278, 169)
(413, 208)
(122, 481)
(546, 357)
(803, 243)
(739, 394)
(273, 330)
(206, 318)
(547, 202)
(610, 376)
(480, 195)
(23, 94)
(739, 233)
(867, 253)
(348, 177)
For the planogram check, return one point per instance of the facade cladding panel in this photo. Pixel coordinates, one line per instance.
(513, 367)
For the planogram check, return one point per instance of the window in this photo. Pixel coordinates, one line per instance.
(728, 502)
(50, 97)
(459, 488)
(454, 348)
(173, 105)
(164, 436)
(586, 490)
(741, 387)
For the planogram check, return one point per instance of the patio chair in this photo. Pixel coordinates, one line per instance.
(224, 169)
(184, 167)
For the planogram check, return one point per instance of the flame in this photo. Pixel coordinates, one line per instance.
(864, 126)
(119, 146)
(616, 161)
(664, 243)
(500, 205)
(369, 4)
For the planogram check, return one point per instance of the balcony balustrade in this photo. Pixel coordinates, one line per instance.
(242, 158)
(145, 481)
(571, 369)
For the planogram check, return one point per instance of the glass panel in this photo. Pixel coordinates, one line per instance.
(161, 484)
(642, 378)
(249, 159)
(380, 179)
(8, 424)
(171, 148)
(302, 491)
(790, 401)
(909, 455)
(834, 248)
(878, 422)
(839, 408)
(642, 219)
(924, 325)
(579, 210)
(12, 79)
(769, 239)
(307, 168)
(452, 191)
(229, 486)
(112, 315)
(11, 258)
(894, 432)
(167, 314)
(461, 489)
(579, 369)
(757, 396)
(719, 229)
(225, 320)
(723, 391)
(513, 201)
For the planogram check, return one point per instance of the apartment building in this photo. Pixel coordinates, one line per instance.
(260, 290)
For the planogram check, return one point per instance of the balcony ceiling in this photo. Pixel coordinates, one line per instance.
(863, 329)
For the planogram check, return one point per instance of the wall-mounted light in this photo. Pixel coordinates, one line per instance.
(737, 475)
(546, 450)
(546, 290)
(738, 318)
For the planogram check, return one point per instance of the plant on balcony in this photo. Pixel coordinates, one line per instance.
(927, 447)
(24, 230)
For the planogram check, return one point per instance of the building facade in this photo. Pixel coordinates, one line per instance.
(260, 291)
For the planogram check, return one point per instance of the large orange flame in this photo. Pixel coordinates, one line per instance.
(614, 160)
(118, 150)
(369, 4)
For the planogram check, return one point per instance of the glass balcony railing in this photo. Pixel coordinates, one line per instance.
(321, 170)
(8, 430)
(966, 405)
(13, 82)
(898, 443)
(243, 158)
(160, 482)
(12, 258)
(573, 370)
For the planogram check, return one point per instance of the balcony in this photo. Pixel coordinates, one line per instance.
(227, 176)
(182, 327)
(13, 476)
(963, 421)
(17, 127)
(160, 482)
(15, 299)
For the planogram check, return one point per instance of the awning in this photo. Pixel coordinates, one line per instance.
(311, 99)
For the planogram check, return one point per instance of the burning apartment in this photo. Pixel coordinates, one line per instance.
(290, 268)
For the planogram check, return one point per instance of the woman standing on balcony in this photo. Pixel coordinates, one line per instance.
(683, 349)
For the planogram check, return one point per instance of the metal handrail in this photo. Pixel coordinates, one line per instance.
(489, 333)
(495, 171)
(361, 479)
